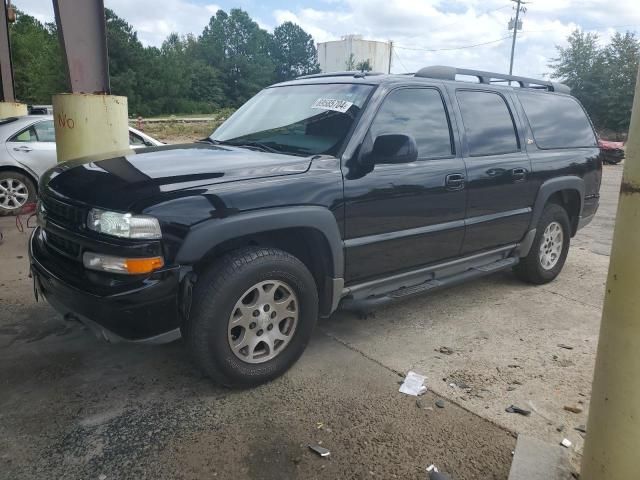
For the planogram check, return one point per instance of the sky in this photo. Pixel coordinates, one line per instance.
(424, 32)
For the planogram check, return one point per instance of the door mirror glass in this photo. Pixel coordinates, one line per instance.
(393, 148)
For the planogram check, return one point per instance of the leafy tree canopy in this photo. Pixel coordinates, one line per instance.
(229, 62)
(602, 77)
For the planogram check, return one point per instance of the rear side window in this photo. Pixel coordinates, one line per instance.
(418, 112)
(557, 121)
(28, 135)
(488, 123)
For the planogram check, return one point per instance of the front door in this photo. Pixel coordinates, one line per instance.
(401, 216)
(500, 193)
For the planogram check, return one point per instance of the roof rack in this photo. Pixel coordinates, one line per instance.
(449, 73)
(354, 73)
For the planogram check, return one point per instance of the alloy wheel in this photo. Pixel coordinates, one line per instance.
(13, 193)
(263, 321)
(551, 245)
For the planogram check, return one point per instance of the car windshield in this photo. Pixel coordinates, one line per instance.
(296, 120)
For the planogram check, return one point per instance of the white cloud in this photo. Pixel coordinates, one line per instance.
(432, 25)
(416, 24)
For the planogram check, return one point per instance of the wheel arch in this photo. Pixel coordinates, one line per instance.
(23, 171)
(309, 233)
(567, 191)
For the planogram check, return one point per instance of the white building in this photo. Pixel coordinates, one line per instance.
(346, 53)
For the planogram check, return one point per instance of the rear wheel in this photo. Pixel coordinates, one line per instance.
(252, 316)
(16, 190)
(550, 247)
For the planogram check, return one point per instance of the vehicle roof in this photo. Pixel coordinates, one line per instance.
(397, 79)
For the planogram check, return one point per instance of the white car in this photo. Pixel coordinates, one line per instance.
(27, 150)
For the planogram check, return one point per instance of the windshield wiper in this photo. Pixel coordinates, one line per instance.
(249, 144)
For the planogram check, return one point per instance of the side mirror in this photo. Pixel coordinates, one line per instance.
(393, 148)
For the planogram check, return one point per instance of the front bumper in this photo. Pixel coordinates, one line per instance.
(140, 309)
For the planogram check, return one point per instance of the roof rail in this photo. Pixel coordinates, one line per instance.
(354, 73)
(449, 73)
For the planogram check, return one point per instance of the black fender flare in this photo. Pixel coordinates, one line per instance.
(206, 235)
(547, 189)
(552, 186)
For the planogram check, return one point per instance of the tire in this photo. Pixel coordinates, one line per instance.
(16, 190)
(532, 268)
(238, 284)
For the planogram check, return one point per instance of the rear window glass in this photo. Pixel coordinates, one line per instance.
(488, 123)
(557, 121)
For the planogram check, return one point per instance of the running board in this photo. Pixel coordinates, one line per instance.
(376, 297)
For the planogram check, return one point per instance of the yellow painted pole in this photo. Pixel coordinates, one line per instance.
(12, 109)
(612, 446)
(88, 125)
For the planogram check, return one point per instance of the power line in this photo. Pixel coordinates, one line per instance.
(494, 9)
(400, 60)
(452, 48)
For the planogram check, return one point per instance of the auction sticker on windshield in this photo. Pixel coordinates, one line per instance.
(332, 104)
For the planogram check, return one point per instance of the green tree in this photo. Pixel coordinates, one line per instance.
(229, 62)
(581, 66)
(37, 61)
(620, 58)
(294, 52)
(350, 63)
(364, 66)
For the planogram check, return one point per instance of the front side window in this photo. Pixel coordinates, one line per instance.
(420, 113)
(296, 119)
(488, 123)
(557, 121)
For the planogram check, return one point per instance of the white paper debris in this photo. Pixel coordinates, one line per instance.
(332, 104)
(566, 443)
(413, 384)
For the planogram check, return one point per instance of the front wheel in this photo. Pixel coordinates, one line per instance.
(253, 314)
(550, 247)
(16, 190)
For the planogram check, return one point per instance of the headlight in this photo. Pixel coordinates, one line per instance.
(125, 225)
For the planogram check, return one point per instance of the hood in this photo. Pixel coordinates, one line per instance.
(119, 182)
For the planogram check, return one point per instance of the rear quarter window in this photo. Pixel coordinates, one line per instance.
(557, 121)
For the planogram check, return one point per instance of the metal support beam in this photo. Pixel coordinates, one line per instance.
(7, 93)
(82, 33)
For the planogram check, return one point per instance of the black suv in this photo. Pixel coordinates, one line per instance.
(333, 189)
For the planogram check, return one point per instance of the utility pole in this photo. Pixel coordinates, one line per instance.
(390, 54)
(613, 429)
(516, 25)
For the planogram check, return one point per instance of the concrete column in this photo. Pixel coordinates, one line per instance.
(12, 109)
(90, 125)
(613, 429)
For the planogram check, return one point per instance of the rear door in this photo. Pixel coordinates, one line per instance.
(35, 147)
(500, 194)
(400, 216)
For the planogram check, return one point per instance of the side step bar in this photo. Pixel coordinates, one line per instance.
(366, 297)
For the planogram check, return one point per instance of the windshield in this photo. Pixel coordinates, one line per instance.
(296, 120)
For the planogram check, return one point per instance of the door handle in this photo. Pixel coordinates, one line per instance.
(518, 174)
(454, 181)
(22, 149)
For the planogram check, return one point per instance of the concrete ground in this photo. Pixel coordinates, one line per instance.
(73, 407)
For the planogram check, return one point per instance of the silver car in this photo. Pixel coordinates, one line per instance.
(27, 150)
